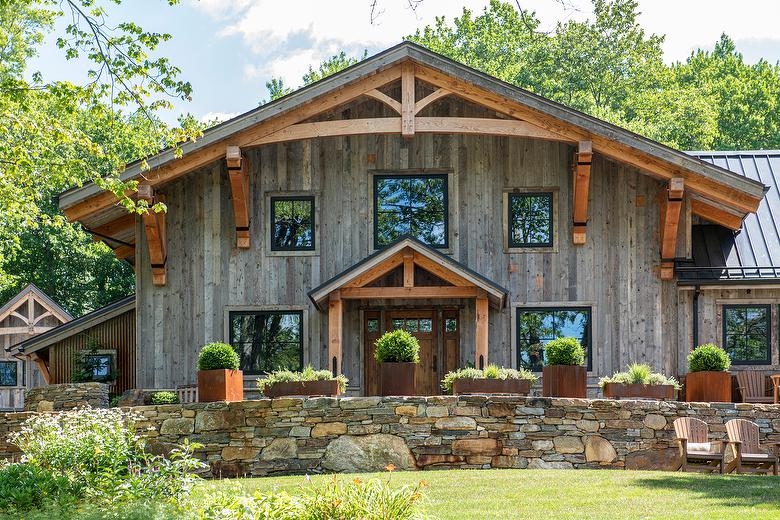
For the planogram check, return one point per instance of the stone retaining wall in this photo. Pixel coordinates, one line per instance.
(66, 396)
(366, 433)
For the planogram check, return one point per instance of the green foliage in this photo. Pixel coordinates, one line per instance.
(708, 357)
(490, 372)
(215, 356)
(565, 351)
(639, 374)
(397, 346)
(307, 374)
(165, 398)
(337, 62)
(24, 487)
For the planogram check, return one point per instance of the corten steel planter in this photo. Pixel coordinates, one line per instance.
(638, 391)
(328, 387)
(708, 387)
(397, 378)
(220, 385)
(491, 386)
(564, 381)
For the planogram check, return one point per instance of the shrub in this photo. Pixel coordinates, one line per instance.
(165, 398)
(708, 357)
(490, 372)
(307, 374)
(640, 374)
(216, 356)
(397, 346)
(565, 351)
(24, 487)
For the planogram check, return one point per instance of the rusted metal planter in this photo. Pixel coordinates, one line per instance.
(328, 387)
(638, 391)
(708, 387)
(564, 381)
(491, 386)
(397, 378)
(220, 385)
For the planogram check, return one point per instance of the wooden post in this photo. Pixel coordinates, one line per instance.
(581, 191)
(154, 226)
(335, 318)
(44, 369)
(407, 100)
(408, 268)
(481, 333)
(670, 219)
(239, 187)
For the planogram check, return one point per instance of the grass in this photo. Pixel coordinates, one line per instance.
(569, 493)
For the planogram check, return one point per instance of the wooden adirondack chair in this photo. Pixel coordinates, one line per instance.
(749, 455)
(752, 386)
(697, 452)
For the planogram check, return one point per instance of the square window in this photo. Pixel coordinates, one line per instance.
(536, 327)
(97, 366)
(411, 325)
(373, 325)
(746, 334)
(450, 325)
(8, 373)
(292, 223)
(426, 325)
(398, 324)
(411, 205)
(267, 340)
(530, 218)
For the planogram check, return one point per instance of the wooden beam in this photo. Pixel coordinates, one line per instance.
(430, 98)
(124, 223)
(439, 270)
(24, 330)
(123, 252)
(239, 187)
(716, 215)
(335, 321)
(583, 158)
(376, 272)
(407, 99)
(446, 291)
(670, 219)
(44, 369)
(481, 332)
(154, 226)
(408, 267)
(384, 98)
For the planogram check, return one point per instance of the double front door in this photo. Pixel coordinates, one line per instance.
(437, 331)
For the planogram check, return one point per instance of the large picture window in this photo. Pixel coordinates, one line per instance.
(537, 326)
(530, 218)
(292, 223)
(414, 205)
(746, 336)
(267, 340)
(8, 373)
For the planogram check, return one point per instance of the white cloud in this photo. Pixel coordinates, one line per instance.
(218, 116)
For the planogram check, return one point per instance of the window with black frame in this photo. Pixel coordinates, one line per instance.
(9, 373)
(292, 223)
(530, 217)
(413, 205)
(746, 334)
(536, 327)
(98, 365)
(267, 340)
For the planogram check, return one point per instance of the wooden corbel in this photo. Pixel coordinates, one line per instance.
(154, 226)
(239, 186)
(579, 212)
(407, 100)
(670, 219)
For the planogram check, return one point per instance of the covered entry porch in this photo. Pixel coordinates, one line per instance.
(412, 286)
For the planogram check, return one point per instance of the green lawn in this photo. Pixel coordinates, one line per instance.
(571, 493)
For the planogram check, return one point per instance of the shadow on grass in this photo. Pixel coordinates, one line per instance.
(730, 490)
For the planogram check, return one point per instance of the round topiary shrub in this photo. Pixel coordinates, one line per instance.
(565, 351)
(397, 346)
(218, 356)
(708, 357)
(165, 398)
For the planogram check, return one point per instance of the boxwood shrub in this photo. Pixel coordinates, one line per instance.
(397, 346)
(708, 357)
(165, 398)
(565, 351)
(216, 356)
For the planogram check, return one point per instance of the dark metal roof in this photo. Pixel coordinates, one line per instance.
(753, 253)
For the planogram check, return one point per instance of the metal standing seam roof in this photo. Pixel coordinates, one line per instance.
(753, 253)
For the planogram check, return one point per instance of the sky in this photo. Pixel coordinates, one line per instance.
(228, 49)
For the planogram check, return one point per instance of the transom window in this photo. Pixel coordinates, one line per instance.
(267, 340)
(746, 334)
(8, 373)
(292, 221)
(536, 327)
(413, 205)
(530, 219)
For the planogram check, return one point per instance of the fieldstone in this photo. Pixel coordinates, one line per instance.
(456, 423)
(599, 449)
(437, 411)
(501, 410)
(587, 426)
(218, 420)
(177, 426)
(655, 421)
(238, 453)
(328, 429)
(568, 444)
(543, 445)
(543, 464)
(429, 460)
(476, 447)
(655, 459)
(300, 431)
(407, 411)
(280, 449)
(351, 454)
(45, 406)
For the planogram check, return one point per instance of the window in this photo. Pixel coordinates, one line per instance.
(414, 205)
(292, 223)
(536, 327)
(8, 373)
(98, 366)
(746, 334)
(268, 340)
(530, 219)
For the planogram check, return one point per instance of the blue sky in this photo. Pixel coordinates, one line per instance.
(228, 49)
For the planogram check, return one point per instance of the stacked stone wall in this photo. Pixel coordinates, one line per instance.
(66, 396)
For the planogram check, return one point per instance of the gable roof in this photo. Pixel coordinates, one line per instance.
(715, 184)
(753, 252)
(52, 306)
